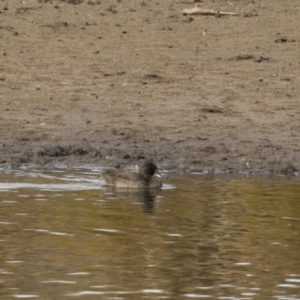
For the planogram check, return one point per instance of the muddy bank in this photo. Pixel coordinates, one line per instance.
(108, 84)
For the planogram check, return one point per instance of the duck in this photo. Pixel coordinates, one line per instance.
(147, 176)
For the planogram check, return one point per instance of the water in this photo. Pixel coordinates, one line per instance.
(62, 236)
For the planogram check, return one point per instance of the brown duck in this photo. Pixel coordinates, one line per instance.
(146, 177)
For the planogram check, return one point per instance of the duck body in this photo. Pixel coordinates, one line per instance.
(146, 177)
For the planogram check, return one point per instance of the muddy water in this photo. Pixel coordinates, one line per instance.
(63, 236)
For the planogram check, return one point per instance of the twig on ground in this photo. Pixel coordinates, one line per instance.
(207, 12)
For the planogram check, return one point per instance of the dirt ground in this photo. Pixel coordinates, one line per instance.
(109, 82)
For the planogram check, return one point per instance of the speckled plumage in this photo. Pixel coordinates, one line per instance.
(144, 178)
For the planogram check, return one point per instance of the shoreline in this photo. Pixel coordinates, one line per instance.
(84, 82)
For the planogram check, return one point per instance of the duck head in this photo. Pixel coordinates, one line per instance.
(149, 168)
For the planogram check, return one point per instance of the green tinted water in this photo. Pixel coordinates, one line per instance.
(63, 236)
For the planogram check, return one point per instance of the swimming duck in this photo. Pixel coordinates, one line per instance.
(147, 176)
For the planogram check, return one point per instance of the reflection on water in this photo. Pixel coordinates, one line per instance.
(62, 235)
(145, 197)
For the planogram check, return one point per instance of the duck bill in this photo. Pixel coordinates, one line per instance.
(157, 174)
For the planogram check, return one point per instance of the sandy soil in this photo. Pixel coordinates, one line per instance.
(109, 82)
